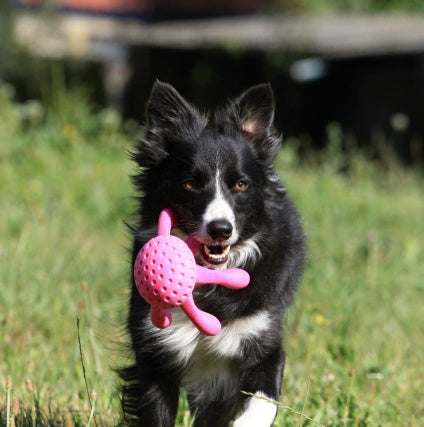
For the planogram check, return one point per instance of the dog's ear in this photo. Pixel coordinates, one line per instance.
(170, 119)
(253, 114)
(168, 113)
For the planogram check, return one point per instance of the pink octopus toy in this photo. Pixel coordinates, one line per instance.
(165, 273)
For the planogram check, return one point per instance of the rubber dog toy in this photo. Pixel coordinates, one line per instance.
(166, 273)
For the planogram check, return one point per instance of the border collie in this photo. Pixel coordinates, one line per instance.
(217, 175)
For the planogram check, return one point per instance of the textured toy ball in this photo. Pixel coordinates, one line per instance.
(166, 273)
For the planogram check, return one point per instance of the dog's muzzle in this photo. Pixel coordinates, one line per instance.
(216, 249)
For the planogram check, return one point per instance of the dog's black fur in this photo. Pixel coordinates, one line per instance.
(179, 158)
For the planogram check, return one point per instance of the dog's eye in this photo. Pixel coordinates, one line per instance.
(188, 184)
(241, 185)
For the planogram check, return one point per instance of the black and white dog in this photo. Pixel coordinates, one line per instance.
(218, 177)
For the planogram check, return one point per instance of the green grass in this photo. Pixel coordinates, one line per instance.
(354, 336)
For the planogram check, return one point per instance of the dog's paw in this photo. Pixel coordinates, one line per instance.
(259, 412)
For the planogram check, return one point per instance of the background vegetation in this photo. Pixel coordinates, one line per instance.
(354, 336)
(350, 5)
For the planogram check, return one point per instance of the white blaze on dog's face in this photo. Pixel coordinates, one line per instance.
(218, 208)
(218, 229)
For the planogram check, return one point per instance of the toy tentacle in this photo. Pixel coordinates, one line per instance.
(193, 244)
(167, 220)
(234, 278)
(205, 322)
(161, 318)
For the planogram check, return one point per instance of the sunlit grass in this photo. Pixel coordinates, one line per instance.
(354, 337)
(63, 256)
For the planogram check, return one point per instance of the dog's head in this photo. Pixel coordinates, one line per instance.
(212, 173)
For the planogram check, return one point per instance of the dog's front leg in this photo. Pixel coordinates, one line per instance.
(259, 412)
(150, 399)
(263, 382)
(217, 413)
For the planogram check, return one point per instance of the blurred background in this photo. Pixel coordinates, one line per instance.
(355, 62)
(348, 77)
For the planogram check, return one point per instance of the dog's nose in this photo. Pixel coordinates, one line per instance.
(220, 229)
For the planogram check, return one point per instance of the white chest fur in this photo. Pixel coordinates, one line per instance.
(184, 339)
(207, 361)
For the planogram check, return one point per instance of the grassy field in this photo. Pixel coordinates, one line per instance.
(355, 335)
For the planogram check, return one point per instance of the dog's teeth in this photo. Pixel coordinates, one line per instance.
(211, 252)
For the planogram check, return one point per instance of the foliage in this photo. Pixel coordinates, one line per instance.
(350, 5)
(354, 336)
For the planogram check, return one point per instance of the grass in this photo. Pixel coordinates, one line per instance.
(354, 335)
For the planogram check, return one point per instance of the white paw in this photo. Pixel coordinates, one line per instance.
(258, 413)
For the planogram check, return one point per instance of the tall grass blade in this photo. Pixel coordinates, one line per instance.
(85, 375)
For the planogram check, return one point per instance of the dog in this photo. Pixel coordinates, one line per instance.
(217, 174)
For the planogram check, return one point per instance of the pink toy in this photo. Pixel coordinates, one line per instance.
(165, 272)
